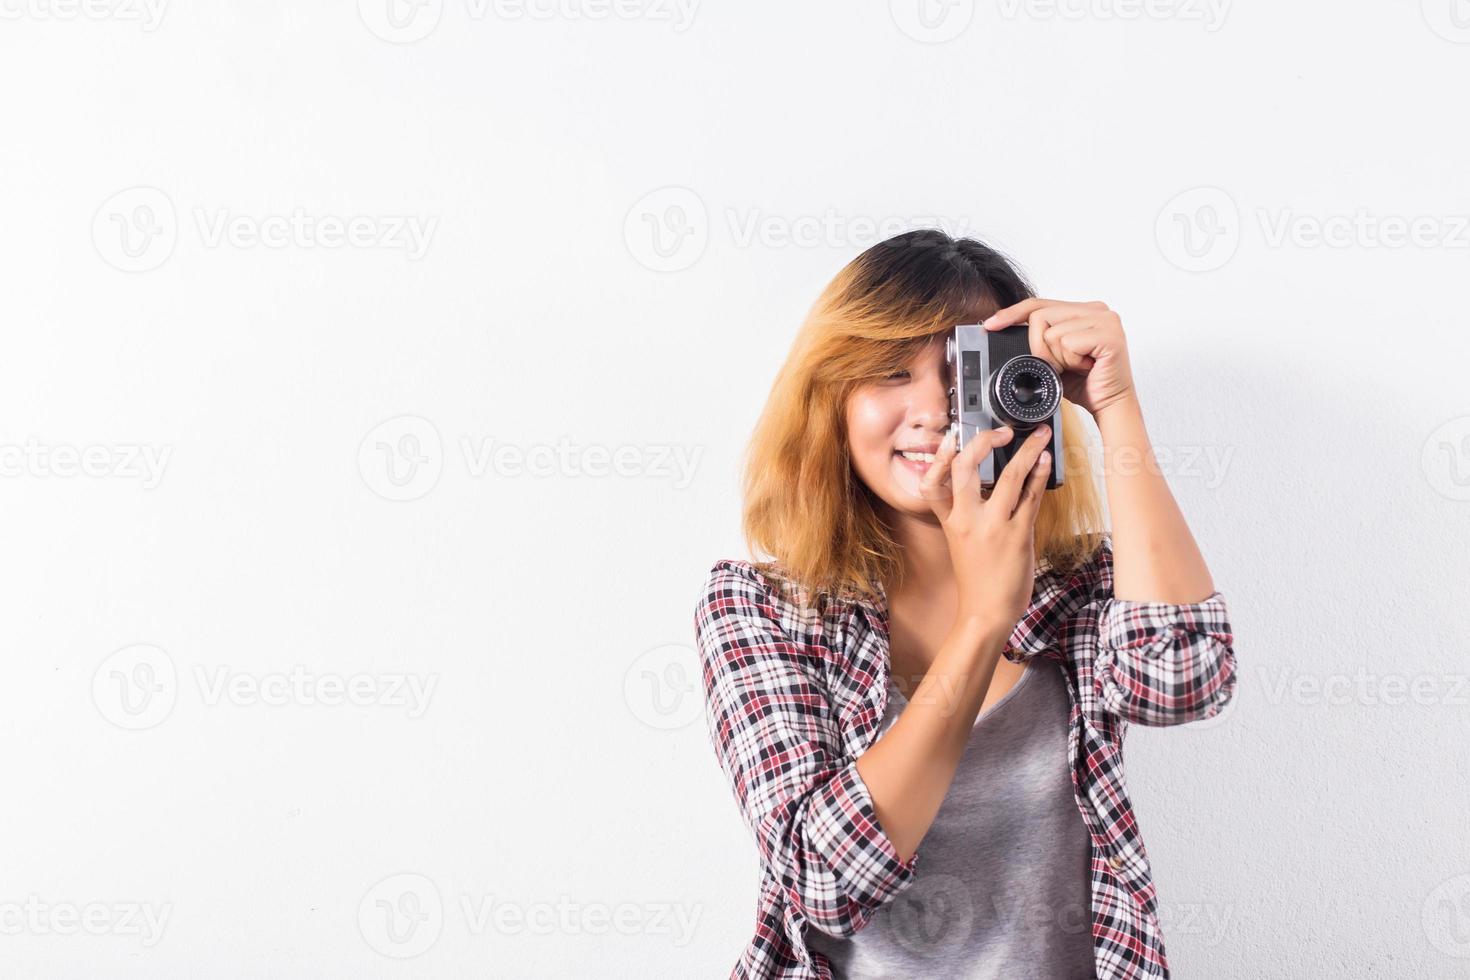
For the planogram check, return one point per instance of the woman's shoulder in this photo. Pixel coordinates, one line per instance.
(766, 583)
(767, 590)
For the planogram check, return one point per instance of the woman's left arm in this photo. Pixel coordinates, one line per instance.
(1166, 651)
(1155, 556)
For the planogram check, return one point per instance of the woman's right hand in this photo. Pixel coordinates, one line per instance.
(992, 541)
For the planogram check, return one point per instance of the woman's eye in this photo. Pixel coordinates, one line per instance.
(896, 376)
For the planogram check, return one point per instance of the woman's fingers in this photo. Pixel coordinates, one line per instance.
(1007, 490)
(1035, 487)
(934, 485)
(966, 466)
(1020, 312)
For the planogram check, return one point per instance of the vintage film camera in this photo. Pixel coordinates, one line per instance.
(998, 381)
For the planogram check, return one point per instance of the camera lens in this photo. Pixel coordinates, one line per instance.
(1025, 387)
(1025, 391)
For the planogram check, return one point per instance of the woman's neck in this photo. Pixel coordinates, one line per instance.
(927, 570)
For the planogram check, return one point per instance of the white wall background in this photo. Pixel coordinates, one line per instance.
(243, 478)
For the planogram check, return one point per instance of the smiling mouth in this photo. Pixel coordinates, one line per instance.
(917, 462)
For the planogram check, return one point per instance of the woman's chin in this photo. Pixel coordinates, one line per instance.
(906, 484)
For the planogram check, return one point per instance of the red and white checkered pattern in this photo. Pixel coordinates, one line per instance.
(794, 696)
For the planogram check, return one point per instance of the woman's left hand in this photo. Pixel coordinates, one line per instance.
(1084, 342)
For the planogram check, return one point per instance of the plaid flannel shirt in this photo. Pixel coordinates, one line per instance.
(794, 696)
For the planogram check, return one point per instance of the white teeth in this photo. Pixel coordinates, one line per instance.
(918, 457)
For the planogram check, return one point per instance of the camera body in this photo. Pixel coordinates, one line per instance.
(996, 381)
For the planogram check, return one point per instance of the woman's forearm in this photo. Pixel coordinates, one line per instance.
(910, 768)
(1155, 558)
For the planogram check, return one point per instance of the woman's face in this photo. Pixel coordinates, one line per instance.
(894, 426)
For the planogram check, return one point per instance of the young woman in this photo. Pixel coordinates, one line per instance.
(919, 697)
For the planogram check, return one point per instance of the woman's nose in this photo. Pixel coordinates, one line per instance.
(930, 407)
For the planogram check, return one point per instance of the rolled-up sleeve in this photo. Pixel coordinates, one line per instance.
(776, 737)
(1161, 663)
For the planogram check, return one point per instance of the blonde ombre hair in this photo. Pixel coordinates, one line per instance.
(804, 506)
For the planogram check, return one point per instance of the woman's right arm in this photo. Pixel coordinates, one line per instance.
(910, 768)
(992, 546)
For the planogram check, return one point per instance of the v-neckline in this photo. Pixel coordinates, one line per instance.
(985, 713)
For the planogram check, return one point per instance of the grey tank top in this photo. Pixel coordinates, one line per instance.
(1002, 887)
